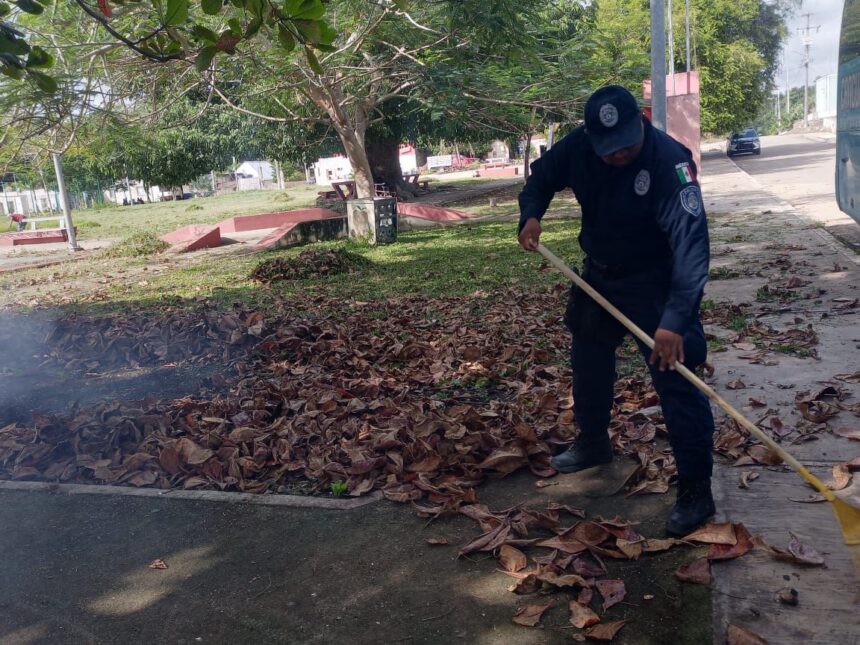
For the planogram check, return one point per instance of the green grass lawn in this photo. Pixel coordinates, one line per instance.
(431, 263)
(163, 217)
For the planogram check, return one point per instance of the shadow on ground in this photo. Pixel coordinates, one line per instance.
(75, 570)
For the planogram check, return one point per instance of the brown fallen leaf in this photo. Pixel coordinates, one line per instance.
(191, 453)
(848, 433)
(613, 592)
(817, 411)
(714, 533)
(528, 585)
(814, 498)
(511, 558)
(437, 540)
(746, 477)
(530, 615)
(729, 551)
(841, 477)
(655, 545)
(804, 554)
(158, 563)
(854, 377)
(582, 616)
(800, 554)
(605, 631)
(737, 384)
(764, 455)
(631, 549)
(698, 571)
(564, 580)
(741, 636)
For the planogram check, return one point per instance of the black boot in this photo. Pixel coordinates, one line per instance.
(582, 455)
(694, 507)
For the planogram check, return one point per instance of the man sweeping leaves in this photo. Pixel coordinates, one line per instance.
(645, 237)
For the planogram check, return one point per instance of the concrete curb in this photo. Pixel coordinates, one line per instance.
(294, 501)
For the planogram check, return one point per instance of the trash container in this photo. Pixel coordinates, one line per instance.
(373, 219)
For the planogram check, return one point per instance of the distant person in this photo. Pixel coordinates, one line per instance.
(645, 237)
(20, 220)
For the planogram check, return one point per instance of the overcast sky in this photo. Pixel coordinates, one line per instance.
(825, 42)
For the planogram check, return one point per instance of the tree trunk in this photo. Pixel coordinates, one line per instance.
(526, 156)
(360, 166)
(351, 136)
(384, 157)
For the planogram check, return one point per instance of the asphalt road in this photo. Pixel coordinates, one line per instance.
(800, 168)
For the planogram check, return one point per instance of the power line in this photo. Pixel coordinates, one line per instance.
(807, 46)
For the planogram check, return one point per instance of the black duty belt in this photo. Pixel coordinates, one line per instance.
(622, 270)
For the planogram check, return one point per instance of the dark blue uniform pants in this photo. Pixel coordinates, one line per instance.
(596, 336)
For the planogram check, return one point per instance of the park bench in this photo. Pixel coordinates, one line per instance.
(495, 162)
(413, 178)
(60, 219)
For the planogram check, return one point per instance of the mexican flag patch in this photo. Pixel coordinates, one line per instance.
(685, 174)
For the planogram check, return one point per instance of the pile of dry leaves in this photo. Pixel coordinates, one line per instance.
(310, 263)
(427, 403)
(86, 344)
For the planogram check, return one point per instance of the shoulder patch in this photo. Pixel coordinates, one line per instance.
(685, 173)
(642, 182)
(691, 200)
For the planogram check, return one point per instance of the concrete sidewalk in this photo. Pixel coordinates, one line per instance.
(764, 242)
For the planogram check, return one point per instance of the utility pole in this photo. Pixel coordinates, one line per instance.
(64, 202)
(807, 45)
(787, 87)
(658, 64)
(687, 29)
(671, 48)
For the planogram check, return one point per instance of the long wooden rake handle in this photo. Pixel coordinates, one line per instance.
(690, 376)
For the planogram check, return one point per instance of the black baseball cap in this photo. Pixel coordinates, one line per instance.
(612, 120)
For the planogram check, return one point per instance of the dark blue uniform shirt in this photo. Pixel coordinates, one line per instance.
(637, 218)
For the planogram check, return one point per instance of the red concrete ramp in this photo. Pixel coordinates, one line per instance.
(411, 216)
(508, 171)
(428, 212)
(275, 220)
(45, 236)
(193, 237)
(327, 228)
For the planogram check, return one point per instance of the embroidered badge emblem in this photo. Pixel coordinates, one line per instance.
(642, 182)
(608, 115)
(691, 200)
